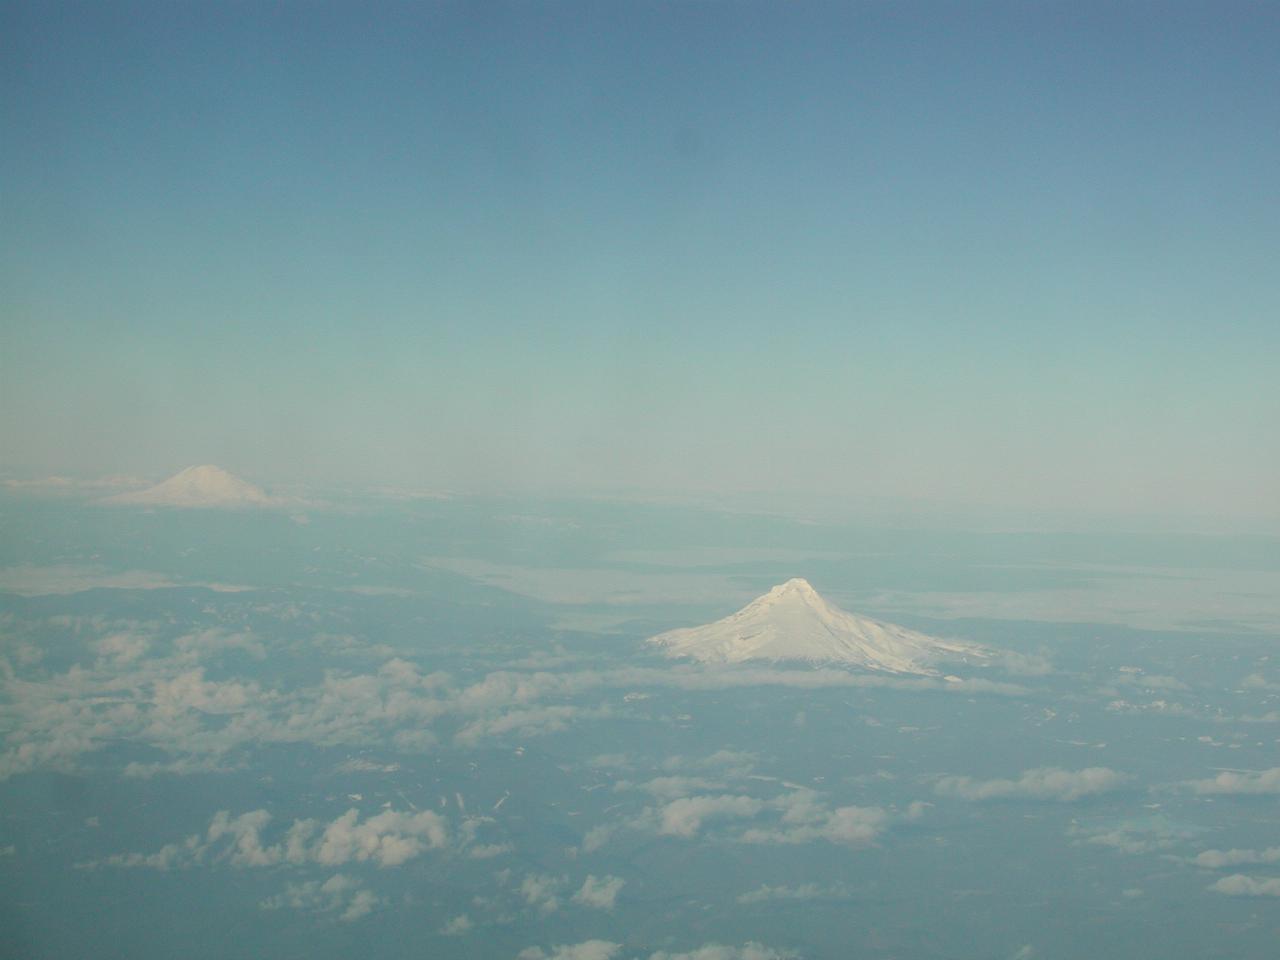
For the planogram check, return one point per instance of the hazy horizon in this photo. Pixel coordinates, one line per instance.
(1003, 255)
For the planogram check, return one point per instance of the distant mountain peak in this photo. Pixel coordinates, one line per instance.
(795, 589)
(792, 621)
(200, 486)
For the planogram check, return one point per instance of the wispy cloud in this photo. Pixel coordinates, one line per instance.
(1042, 783)
(341, 896)
(805, 891)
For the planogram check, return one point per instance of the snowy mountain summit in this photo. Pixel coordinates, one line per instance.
(203, 486)
(792, 622)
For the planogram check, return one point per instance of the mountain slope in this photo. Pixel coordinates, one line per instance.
(203, 486)
(792, 622)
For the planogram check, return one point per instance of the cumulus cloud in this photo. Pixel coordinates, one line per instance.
(387, 839)
(341, 896)
(542, 891)
(599, 892)
(806, 818)
(167, 702)
(684, 817)
(1041, 783)
(1240, 885)
(796, 816)
(1230, 782)
(456, 926)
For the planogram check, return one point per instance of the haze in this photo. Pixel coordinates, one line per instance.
(1013, 256)
(639, 481)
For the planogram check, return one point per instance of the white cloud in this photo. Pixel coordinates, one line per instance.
(181, 766)
(1256, 681)
(457, 926)
(1239, 782)
(533, 722)
(599, 892)
(340, 895)
(28, 580)
(33, 581)
(363, 765)
(160, 696)
(597, 837)
(1126, 841)
(587, 950)
(717, 951)
(684, 817)
(1042, 783)
(541, 890)
(795, 817)
(669, 788)
(65, 485)
(387, 839)
(190, 691)
(1134, 677)
(122, 647)
(806, 891)
(1134, 836)
(1217, 859)
(1239, 885)
(806, 818)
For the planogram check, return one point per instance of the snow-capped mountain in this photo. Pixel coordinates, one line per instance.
(792, 622)
(203, 486)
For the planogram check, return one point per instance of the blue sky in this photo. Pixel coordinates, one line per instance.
(983, 254)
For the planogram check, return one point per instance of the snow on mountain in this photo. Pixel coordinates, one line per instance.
(792, 622)
(203, 486)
